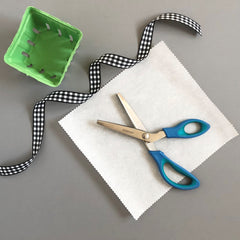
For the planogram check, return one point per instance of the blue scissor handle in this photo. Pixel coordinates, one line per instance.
(179, 132)
(161, 159)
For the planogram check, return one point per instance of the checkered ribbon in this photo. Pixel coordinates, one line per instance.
(95, 84)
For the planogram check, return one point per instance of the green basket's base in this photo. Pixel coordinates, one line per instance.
(49, 55)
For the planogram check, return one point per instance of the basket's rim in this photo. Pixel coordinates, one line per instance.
(19, 33)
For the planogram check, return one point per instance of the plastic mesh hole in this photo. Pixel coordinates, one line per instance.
(59, 33)
(29, 66)
(42, 70)
(25, 54)
(31, 43)
(36, 31)
(54, 76)
(71, 38)
(48, 26)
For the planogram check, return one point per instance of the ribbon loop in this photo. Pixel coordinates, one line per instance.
(95, 84)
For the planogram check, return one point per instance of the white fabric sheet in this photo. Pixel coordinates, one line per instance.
(162, 93)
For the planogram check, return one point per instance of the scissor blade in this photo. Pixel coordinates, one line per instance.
(135, 120)
(132, 132)
(131, 114)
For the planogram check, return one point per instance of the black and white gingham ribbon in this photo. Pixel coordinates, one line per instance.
(95, 84)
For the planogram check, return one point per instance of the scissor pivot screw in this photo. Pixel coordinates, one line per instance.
(146, 136)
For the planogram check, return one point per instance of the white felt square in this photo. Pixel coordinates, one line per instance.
(162, 93)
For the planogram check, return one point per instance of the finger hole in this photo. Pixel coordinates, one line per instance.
(192, 128)
(175, 176)
(171, 173)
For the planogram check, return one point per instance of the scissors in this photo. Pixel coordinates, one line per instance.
(161, 159)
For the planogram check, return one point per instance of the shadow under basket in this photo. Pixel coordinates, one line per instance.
(43, 47)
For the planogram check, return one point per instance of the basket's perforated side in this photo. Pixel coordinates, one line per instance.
(52, 39)
(95, 84)
(44, 47)
(52, 44)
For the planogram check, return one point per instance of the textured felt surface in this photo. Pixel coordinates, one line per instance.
(162, 93)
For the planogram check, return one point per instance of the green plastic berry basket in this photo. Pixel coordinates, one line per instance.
(43, 47)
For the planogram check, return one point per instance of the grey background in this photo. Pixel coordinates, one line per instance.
(61, 196)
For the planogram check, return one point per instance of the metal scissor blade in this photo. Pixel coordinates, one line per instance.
(135, 120)
(131, 114)
(132, 132)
